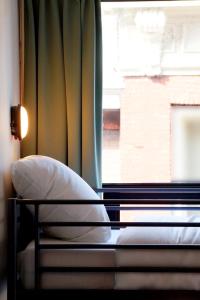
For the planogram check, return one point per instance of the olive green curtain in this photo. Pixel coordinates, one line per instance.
(63, 83)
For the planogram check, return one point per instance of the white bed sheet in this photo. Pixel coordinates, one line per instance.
(69, 258)
(159, 281)
(112, 257)
(159, 258)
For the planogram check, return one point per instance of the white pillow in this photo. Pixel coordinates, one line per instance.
(41, 177)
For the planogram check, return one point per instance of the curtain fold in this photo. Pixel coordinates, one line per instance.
(63, 83)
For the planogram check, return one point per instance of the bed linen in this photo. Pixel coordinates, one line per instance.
(159, 258)
(158, 281)
(69, 258)
(123, 258)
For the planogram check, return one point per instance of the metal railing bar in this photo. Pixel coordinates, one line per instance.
(163, 269)
(117, 208)
(116, 246)
(122, 224)
(148, 190)
(112, 201)
(152, 184)
(37, 249)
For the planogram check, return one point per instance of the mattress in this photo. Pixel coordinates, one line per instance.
(121, 258)
(69, 258)
(159, 257)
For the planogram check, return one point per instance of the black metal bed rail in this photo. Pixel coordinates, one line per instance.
(170, 202)
(121, 269)
(120, 224)
(145, 201)
(122, 247)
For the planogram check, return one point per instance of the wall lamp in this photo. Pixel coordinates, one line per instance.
(19, 122)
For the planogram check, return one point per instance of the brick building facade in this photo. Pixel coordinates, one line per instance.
(147, 129)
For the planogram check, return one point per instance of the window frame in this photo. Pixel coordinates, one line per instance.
(123, 190)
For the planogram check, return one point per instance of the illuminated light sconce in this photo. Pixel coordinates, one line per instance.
(19, 122)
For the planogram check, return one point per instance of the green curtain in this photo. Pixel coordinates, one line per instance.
(63, 83)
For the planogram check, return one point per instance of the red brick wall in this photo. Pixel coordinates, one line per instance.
(145, 138)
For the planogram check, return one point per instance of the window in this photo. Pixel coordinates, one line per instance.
(151, 91)
(185, 142)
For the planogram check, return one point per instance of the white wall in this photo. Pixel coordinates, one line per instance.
(9, 95)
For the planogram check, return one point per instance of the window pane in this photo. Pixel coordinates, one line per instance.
(186, 142)
(151, 76)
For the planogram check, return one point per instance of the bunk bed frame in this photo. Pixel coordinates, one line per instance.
(156, 196)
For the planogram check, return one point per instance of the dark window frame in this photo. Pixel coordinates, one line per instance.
(125, 190)
(135, 0)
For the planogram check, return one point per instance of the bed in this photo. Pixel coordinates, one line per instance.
(114, 266)
(124, 264)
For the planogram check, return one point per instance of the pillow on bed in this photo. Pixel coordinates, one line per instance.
(41, 177)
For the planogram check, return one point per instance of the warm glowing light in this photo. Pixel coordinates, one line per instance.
(23, 122)
(19, 122)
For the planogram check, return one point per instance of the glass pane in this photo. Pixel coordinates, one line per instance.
(151, 77)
